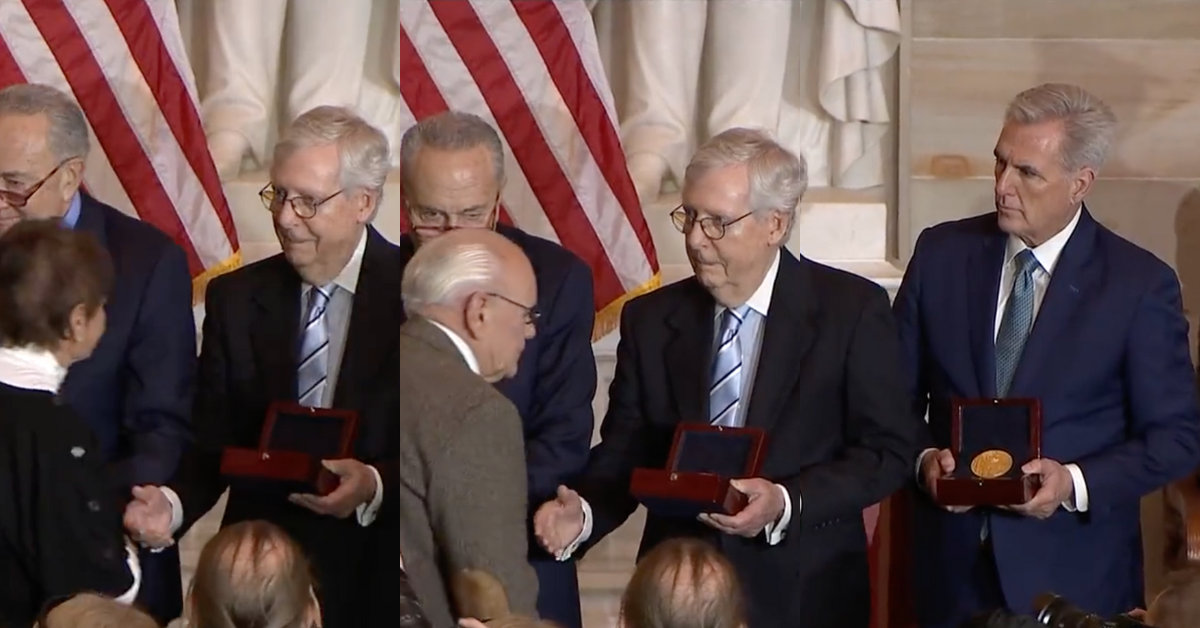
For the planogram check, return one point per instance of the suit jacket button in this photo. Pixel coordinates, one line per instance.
(93, 506)
(78, 452)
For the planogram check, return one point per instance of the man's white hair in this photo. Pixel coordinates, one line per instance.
(1089, 125)
(363, 152)
(447, 274)
(778, 177)
(68, 135)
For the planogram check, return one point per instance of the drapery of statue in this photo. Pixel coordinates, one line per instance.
(682, 71)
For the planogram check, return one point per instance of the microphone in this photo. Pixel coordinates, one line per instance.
(479, 595)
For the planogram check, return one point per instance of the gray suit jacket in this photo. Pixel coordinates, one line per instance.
(462, 495)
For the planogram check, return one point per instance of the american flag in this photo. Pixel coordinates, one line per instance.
(532, 68)
(125, 64)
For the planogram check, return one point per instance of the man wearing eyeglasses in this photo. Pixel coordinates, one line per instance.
(452, 173)
(134, 391)
(758, 338)
(315, 325)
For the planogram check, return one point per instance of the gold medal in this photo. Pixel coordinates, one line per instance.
(991, 464)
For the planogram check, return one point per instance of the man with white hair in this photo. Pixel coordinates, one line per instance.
(1038, 300)
(758, 338)
(470, 295)
(314, 325)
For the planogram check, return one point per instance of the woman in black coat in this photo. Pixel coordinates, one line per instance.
(60, 521)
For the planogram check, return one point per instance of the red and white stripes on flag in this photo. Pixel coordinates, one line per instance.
(533, 69)
(124, 62)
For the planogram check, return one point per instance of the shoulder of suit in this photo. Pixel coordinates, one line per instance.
(245, 277)
(127, 230)
(836, 282)
(547, 257)
(1132, 258)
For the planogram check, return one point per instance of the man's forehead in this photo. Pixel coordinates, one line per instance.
(23, 139)
(1029, 141)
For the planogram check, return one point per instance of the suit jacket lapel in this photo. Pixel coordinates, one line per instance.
(275, 329)
(374, 322)
(1072, 275)
(788, 333)
(983, 289)
(689, 352)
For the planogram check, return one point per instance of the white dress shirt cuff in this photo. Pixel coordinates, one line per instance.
(921, 459)
(176, 514)
(365, 513)
(776, 530)
(1080, 501)
(135, 568)
(584, 534)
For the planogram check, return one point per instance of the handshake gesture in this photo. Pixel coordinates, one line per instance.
(148, 517)
(559, 522)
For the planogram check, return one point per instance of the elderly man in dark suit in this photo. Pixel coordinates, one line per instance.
(1039, 300)
(452, 168)
(462, 498)
(134, 392)
(314, 325)
(759, 338)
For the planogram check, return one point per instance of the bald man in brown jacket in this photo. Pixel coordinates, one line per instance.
(461, 486)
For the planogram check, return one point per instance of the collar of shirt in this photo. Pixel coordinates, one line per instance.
(30, 368)
(461, 345)
(347, 279)
(1047, 253)
(760, 301)
(71, 218)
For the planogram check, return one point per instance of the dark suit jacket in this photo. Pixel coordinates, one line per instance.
(135, 390)
(461, 499)
(553, 391)
(60, 524)
(248, 359)
(1108, 357)
(829, 393)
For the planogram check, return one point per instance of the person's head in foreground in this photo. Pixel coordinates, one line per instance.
(252, 575)
(1054, 141)
(1178, 606)
(88, 610)
(683, 583)
(740, 193)
(43, 146)
(451, 174)
(326, 185)
(481, 286)
(53, 286)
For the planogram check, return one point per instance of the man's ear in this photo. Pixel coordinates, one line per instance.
(314, 609)
(475, 314)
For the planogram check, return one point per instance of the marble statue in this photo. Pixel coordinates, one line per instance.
(309, 52)
(809, 71)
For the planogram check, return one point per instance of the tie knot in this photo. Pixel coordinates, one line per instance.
(319, 295)
(733, 318)
(1026, 262)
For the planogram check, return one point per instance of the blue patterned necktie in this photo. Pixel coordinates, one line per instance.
(314, 349)
(1017, 322)
(724, 395)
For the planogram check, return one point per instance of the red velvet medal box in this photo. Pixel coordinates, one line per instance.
(294, 441)
(1013, 426)
(703, 459)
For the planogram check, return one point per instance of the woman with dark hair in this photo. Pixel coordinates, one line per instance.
(60, 523)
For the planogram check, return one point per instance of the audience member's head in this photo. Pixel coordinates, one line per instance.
(451, 174)
(53, 285)
(683, 583)
(1178, 606)
(43, 146)
(326, 185)
(481, 286)
(252, 574)
(88, 610)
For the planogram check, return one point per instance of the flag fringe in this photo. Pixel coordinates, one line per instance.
(608, 318)
(200, 283)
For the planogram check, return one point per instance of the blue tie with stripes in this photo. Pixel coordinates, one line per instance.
(724, 395)
(1016, 323)
(314, 349)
